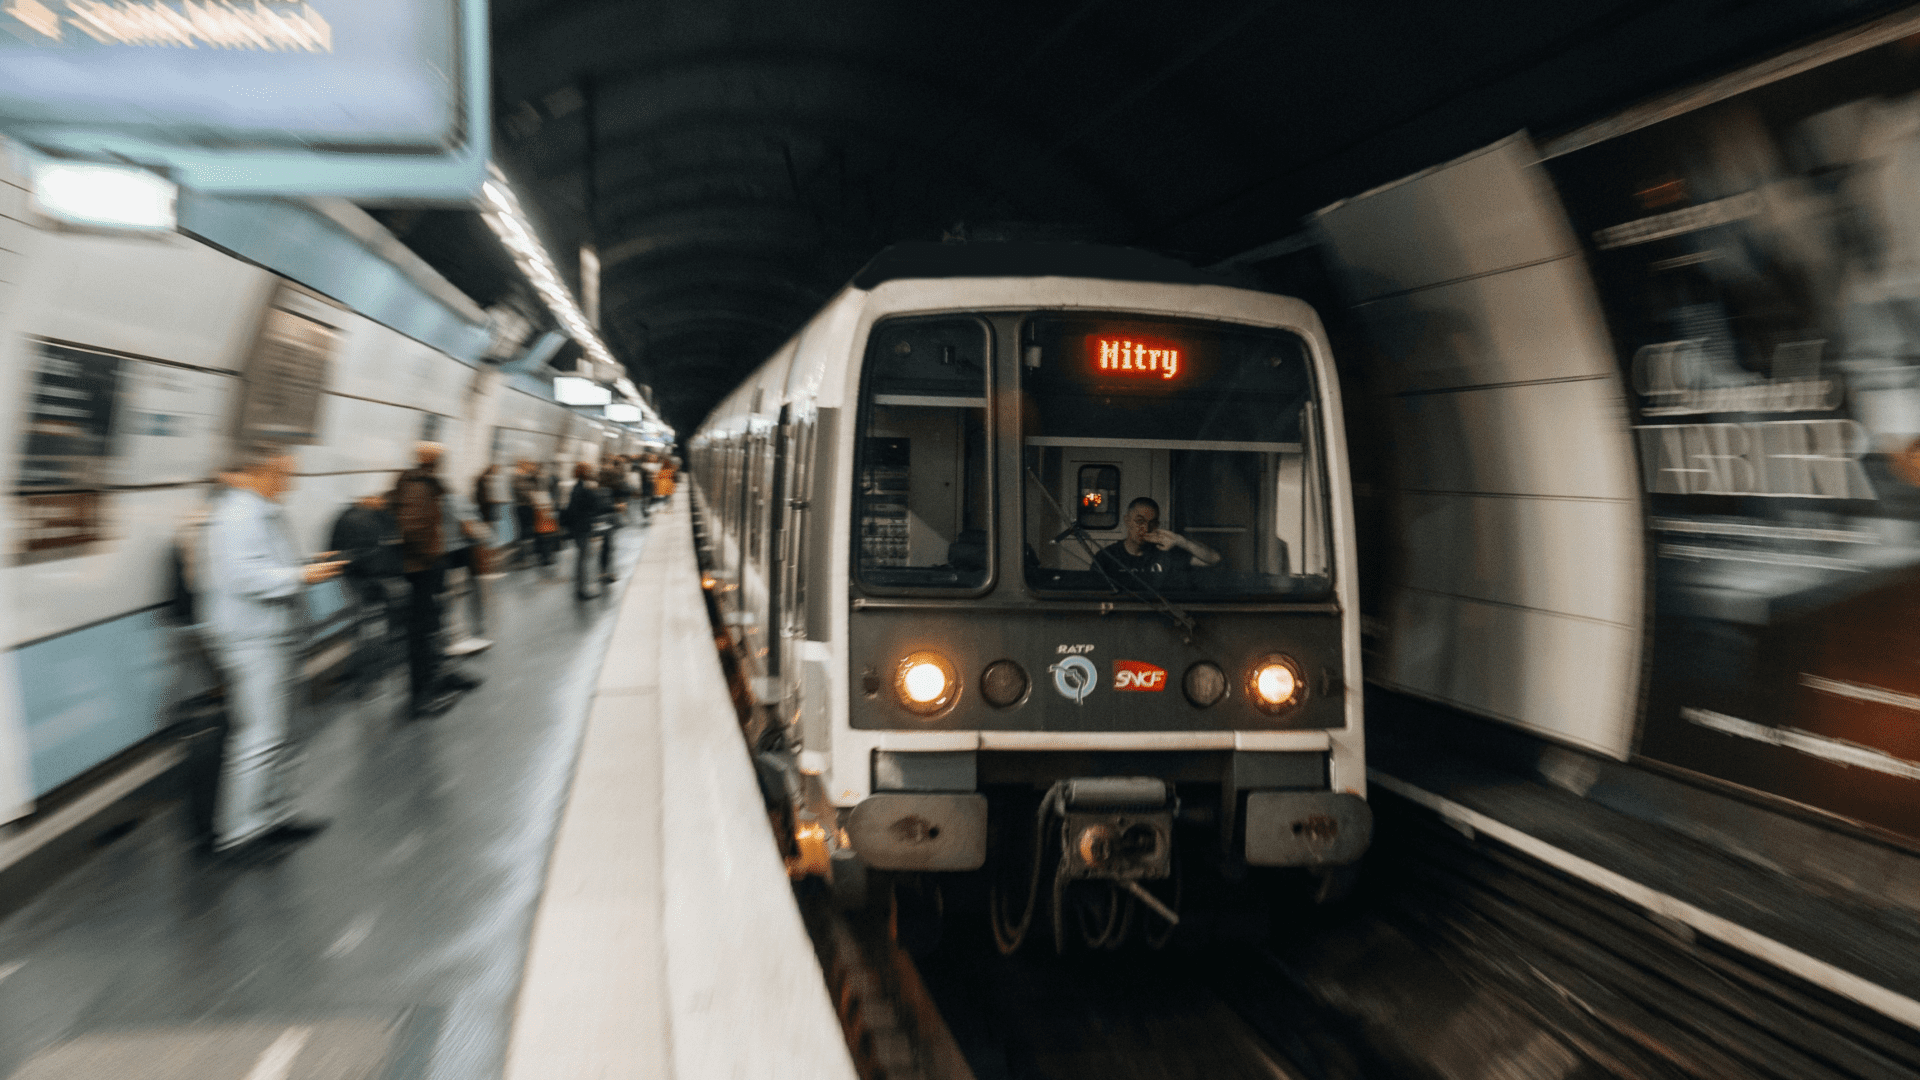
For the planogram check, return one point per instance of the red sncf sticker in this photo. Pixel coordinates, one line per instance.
(1138, 675)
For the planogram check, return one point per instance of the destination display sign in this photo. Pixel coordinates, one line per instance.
(1125, 356)
(321, 97)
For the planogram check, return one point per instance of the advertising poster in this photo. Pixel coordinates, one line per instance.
(1758, 259)
(65, 458)
(287, 376)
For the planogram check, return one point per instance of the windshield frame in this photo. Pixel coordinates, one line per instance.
(862, 424)
(1023, 412)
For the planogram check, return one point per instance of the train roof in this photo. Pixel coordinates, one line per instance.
(999, 260)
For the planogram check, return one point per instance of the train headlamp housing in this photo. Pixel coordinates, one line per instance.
(1274, 683)
(925, 683)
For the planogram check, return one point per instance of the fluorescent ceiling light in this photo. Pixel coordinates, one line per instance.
(104, 196)
(573, 390)
(621, 413)
(501, 209)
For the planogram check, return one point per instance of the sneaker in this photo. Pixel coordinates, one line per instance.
(470, 646)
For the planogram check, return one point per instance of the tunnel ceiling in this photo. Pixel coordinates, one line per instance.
(734, 161)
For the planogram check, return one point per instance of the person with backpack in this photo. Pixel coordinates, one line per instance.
(368, 537)
(420, 505)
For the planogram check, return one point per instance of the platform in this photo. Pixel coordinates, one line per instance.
(499, 893)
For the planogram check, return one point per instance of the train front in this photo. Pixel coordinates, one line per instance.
(1100, 635)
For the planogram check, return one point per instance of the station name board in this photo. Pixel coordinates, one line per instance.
(264, 27)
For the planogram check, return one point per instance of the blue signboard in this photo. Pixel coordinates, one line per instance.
(365, 99)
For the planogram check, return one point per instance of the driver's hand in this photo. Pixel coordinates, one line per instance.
(1162, 539)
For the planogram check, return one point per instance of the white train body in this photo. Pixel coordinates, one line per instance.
(814, 608)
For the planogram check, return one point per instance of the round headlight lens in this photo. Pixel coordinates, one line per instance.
(925, 683)
(1205, 684)
(1004, 683)
(1274, 683)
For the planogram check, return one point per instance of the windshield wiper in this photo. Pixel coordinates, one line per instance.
(1078, 532)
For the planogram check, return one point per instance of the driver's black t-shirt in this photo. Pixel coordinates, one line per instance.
(1114, 558)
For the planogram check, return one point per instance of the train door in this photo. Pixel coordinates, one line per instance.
(789, 609)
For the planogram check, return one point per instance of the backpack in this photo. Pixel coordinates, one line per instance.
(181, 604)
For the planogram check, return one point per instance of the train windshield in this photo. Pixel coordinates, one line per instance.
(1171, 457)
(921, 491)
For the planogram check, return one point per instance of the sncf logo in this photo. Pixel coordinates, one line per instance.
(1138, 675)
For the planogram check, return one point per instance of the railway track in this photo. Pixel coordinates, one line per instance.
(1456, 960)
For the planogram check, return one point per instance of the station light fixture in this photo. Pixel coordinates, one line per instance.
(621, 412)
(104, 196)
(500, 208)
(574, 390)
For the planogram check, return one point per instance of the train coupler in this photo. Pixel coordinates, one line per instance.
(1117, 828)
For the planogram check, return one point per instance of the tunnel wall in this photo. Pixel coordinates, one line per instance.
(1516, 575)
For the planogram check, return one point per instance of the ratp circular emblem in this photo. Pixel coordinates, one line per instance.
(1074, 677)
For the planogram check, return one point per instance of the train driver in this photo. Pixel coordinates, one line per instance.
(1150, 549)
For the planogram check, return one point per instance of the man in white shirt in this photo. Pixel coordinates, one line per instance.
(250, 581)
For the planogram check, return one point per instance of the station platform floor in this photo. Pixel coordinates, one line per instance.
(567, 875)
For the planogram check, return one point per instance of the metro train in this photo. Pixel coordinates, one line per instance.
(132, 364)
(1038, 561)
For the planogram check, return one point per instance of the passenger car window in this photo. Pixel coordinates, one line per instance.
(921, 496)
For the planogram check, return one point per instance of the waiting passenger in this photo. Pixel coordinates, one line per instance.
(588, 508)
(1149, 549)
(249, 580)
(533, 516)
(368, 538)
(420, 499)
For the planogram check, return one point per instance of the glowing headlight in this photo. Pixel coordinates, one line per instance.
(925, 683)
(1274, 683)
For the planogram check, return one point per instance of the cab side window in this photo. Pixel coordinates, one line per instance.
(921, 494)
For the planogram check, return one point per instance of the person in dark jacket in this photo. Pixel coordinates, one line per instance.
(617, 490)
(368, 538)
(587, 508)
(527, 498)
(419, 505)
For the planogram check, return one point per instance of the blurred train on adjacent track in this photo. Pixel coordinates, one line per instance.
(1039, 564)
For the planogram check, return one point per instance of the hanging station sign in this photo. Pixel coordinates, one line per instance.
(366, 99)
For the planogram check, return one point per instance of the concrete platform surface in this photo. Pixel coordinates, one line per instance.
(394, 944)
(668, 943)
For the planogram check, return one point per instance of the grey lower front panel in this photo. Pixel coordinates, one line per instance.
(921, 831)
(1307, 828)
